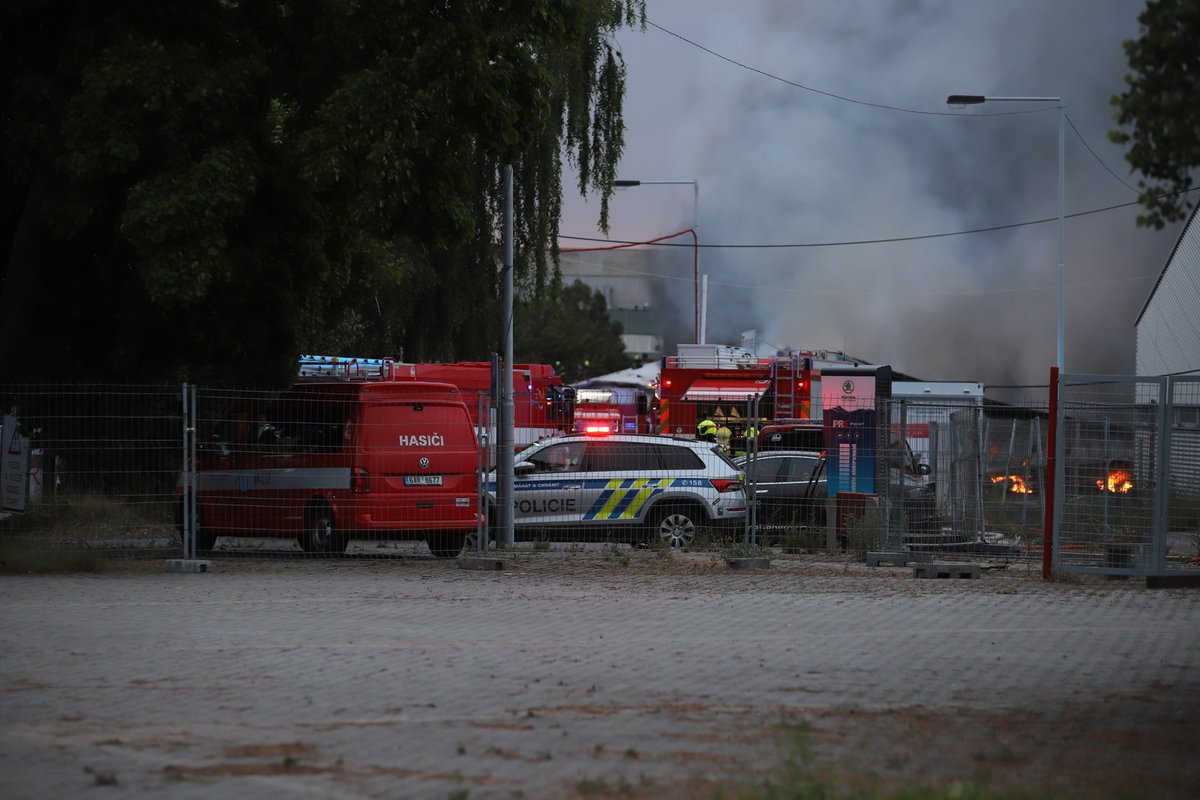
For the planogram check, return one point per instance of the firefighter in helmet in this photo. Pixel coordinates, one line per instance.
(724, 436)
(706, 430)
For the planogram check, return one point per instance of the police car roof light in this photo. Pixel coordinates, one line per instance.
(597, 430)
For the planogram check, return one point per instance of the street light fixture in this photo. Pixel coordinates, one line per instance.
(976, 99)
(624, 184)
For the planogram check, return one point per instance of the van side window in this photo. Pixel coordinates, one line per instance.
(302, 427)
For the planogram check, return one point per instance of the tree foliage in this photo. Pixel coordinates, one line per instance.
(1161, 107)
(569, 327)
(205, 190)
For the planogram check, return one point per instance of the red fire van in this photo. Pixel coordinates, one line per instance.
(330, 461)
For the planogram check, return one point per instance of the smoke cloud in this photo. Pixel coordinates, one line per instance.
(780, 165)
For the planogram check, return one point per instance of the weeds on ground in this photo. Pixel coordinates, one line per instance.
(72, 514)
(661, 550)
(707, 540)
(615, 554)
(744, 550)
(864, 533)
(27, 557)
(591, 786)
(801, 540)
(798, 776)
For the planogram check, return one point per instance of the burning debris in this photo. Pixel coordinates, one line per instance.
(1119, 481)
(1016, 484)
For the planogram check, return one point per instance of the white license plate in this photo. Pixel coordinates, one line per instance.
(422, 480)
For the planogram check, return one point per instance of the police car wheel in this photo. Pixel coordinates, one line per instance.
(320, 534)
(675, 526)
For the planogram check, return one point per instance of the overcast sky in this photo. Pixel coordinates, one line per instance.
(778, 164)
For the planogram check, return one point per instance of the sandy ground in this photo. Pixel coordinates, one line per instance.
(587, 674)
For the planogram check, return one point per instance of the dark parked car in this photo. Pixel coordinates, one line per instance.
(790, 486)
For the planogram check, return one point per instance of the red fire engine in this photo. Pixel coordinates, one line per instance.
(542, 406)
(717, 382)
(611, 407)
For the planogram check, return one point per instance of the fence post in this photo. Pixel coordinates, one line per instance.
(1048, 527)
(481, 442)
(1162, 476)
(187, 474)
(748, 485)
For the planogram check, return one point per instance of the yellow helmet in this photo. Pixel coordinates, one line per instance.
(706, 426)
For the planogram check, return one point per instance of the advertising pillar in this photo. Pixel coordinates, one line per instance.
(850, 397)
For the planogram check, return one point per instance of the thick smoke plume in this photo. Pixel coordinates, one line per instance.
(781, 165)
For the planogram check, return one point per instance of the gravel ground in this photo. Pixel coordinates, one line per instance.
(595, 673)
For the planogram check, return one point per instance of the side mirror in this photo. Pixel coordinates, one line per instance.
(923, 469)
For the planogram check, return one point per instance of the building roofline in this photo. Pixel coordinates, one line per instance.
(1166, 265)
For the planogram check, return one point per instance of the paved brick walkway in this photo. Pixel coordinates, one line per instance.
(567, 671)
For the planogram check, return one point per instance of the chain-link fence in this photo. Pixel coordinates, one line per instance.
(1128, 499)
(91, 469)
(120, 470)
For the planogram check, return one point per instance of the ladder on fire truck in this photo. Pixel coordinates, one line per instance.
(788, 386)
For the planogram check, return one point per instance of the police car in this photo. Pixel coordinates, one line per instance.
(637, 488)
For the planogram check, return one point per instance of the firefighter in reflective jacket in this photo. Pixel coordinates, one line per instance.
(724, 436)
(706, 430)
(746, 444)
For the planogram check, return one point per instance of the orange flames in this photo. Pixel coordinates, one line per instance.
(1118, 482)
(1016, 484)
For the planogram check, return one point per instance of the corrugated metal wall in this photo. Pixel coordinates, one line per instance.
(1168, 342)
(1168, 331)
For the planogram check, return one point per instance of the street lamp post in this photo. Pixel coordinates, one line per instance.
(623, 184)
(975, 99)
(1053, 514)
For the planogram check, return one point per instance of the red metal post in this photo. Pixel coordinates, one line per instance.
(1048, 478)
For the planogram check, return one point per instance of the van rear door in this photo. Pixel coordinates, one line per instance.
(415, 464)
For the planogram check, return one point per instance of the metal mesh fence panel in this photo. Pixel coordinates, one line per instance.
(962, 489)
(1010, 488)
(963, 480)
(1107, 494)
(101, 469)
(1182, 545)
(90, 470)
(1128, 476)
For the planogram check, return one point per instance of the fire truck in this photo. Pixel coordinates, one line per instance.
(717, 382)
(609, 407)
(345, 453)
(542, 405)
